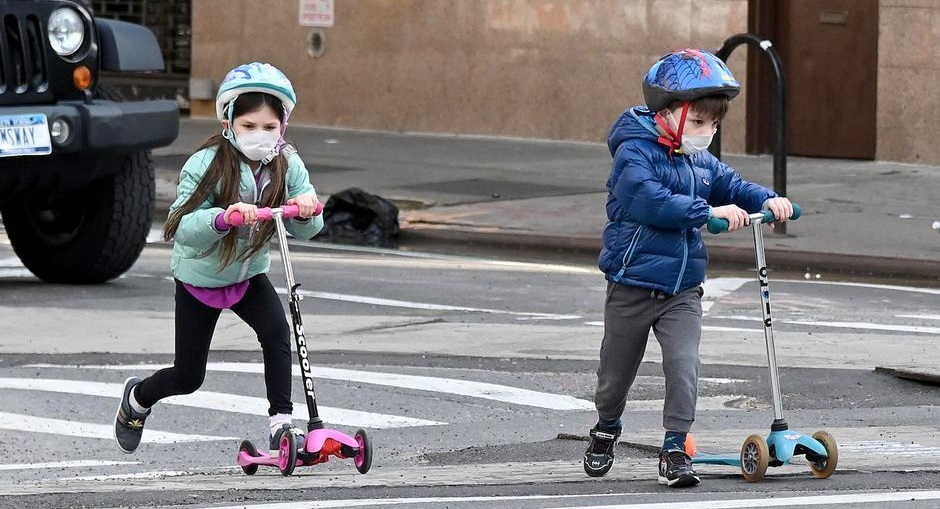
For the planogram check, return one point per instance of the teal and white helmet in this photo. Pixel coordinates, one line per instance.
(255, 77)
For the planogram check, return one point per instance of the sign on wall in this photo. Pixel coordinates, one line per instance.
(316, 13)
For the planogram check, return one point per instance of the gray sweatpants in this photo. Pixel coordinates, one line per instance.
(676, 320)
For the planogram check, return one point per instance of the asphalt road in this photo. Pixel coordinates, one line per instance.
(473, 378)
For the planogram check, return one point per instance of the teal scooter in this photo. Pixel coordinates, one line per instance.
(783, 444)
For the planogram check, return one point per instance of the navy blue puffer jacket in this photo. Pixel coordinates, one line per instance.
(657, 203)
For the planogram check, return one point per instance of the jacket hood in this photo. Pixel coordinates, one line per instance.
(636, 122)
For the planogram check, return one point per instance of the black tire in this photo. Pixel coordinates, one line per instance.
(89, 236)
(287, 465)
(363, 459)
(249, 447)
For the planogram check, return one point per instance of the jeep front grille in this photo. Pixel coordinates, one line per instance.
(22, 55)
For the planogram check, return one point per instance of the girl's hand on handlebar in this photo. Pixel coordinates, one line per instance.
(307, 204)
(736, 216)
(781, 207)
(248, 211)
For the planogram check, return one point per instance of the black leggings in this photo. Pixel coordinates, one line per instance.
(261, 309)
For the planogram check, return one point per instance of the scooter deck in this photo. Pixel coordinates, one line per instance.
(733, 460)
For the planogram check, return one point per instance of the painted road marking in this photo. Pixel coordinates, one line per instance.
(810, 500)
(219, 401)
(67, 464)
(704, 328)
(912, 289)
(881, 447)
(841, 325)
(32, 424)
(717, 288)
(703, 403)
(482, 390)
(920, 317)
(377, 301)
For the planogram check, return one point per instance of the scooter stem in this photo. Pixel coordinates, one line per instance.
(299, 338)
(764, 289)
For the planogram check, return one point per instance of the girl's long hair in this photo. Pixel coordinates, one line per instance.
(222, 179)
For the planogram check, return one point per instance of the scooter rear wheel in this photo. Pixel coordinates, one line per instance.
(824, 467)
(249, 448)
(287, 453)
(363, 458)
(755, 457)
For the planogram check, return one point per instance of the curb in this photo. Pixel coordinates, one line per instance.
(784, 259)
(915, 374)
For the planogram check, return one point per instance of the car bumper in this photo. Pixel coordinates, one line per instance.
(108, 126)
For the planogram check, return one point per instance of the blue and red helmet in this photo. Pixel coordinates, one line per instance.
(687, 75)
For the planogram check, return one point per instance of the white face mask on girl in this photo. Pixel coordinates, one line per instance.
(258, 144)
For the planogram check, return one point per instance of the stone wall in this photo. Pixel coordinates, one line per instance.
(518, 68)
(909, 81)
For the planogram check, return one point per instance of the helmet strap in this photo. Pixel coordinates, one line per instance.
(672, 139)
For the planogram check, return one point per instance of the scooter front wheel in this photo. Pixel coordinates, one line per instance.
(755, 457)
(824, 467)
(249, 448)
(363, 458)
(287, 453)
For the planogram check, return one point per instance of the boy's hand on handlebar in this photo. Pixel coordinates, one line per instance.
(781, 207)
(736, 216)
(307, 204)
(248, 211)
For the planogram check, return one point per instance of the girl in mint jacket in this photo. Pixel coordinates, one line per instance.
(216, 266)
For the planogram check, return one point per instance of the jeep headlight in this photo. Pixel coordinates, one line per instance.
(66, 31)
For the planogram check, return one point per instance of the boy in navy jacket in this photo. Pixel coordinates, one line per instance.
(663, 187)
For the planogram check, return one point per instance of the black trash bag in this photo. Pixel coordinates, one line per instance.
(353, 216)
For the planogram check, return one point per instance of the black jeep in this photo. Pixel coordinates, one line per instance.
(76, 177)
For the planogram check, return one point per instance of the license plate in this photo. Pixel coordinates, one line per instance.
(24, 135)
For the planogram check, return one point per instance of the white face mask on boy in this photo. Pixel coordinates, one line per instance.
(693, 144)
(258, 144)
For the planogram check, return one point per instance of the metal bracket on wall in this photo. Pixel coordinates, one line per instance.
(780, 111)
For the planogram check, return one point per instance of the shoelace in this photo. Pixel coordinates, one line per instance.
(601, 446)
(679, 458)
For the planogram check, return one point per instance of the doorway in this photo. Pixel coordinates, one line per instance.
(829, 52)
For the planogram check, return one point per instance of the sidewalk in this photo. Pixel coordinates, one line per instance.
(863, 217)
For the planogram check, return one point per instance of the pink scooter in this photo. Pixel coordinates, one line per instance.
(320, 442)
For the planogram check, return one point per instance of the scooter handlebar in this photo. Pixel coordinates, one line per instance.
(720, 224)
(267, 213)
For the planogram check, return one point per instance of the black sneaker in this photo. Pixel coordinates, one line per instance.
(128, 423)
(274, 446)
(675, 469)
(599, 456)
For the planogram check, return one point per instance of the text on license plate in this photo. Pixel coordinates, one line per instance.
(24, 135)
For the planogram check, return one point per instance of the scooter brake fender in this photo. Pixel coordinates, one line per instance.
(318, 437)
(784, 443)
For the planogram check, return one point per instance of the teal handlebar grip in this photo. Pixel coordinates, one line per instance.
(720, 224)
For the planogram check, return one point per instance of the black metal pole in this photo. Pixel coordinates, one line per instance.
(780, 110)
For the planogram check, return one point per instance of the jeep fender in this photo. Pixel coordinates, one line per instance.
(127, 47)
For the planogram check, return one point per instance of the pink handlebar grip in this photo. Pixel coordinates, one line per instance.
(267, 213)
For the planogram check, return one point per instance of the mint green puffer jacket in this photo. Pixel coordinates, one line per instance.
(197, 246)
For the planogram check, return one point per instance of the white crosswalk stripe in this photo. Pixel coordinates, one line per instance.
(219, 401)
(468, 388)
(33, 424)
